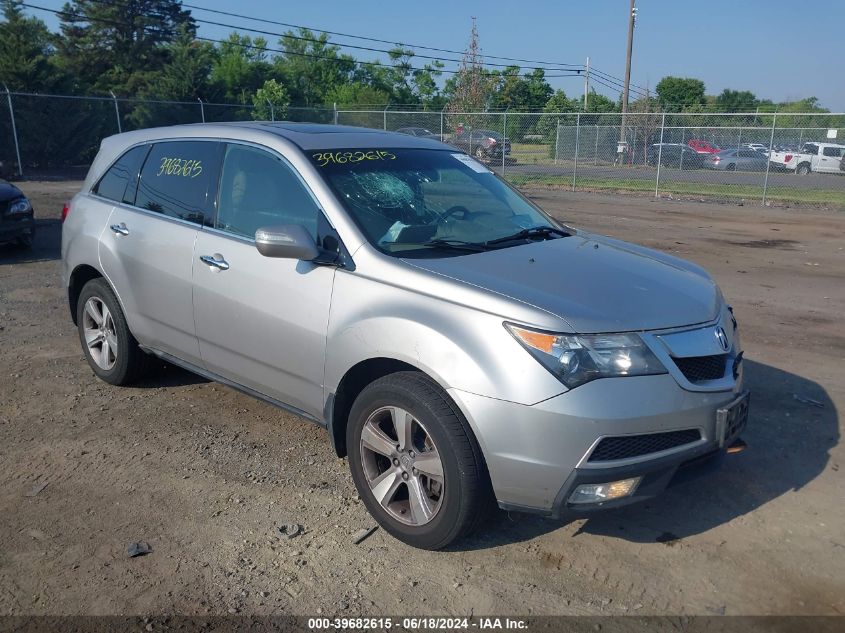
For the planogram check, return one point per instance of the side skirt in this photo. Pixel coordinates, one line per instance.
(224, 381)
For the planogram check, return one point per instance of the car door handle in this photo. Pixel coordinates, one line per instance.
(220, 264)
(119, 229)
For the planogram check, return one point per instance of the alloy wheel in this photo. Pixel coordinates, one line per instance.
(402, 466)
(99, 331)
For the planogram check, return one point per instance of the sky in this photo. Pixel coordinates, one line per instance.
(778, 49)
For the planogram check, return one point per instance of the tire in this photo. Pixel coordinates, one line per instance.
(451, 506)
(730, 167)
(121, 362)
(26, 240)
(480, 155)
(803, 169)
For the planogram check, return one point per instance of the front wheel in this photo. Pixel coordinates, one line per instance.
(415, 462)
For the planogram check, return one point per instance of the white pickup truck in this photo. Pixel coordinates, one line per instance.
(820, 157)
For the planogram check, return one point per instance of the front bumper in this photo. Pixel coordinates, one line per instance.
(536, 455)
(13, 226)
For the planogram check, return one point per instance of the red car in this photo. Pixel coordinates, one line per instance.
(703, 147)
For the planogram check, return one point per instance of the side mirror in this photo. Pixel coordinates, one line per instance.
(286, 241)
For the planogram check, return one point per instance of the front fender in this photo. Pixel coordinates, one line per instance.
(458, 346)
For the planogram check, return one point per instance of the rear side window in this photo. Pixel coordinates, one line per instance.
(120, 181)
(177, 178)
(836, 152)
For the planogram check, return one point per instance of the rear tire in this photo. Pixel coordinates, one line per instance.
(109, 347)
(457, 495)
(730, 167)
(803, 169)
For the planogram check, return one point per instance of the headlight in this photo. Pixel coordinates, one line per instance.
(579, 358)
(21, 205)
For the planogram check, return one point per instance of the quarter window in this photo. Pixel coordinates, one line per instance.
(120, 181)
(176, 180)
(257, 189)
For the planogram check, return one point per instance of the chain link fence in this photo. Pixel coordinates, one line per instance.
(782, 158)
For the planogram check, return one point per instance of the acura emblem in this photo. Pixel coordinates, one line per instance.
(722, 337)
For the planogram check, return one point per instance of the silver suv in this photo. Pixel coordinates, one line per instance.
(457, 343)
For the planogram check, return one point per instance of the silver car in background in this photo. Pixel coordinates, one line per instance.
(457, 343)
(741, 159)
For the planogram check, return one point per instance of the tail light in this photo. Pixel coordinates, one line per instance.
(65, 211)
(715, 159)
(788, 157)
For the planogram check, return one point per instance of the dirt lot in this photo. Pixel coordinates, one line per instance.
(205, 475)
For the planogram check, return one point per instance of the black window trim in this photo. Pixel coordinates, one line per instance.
(93, 191)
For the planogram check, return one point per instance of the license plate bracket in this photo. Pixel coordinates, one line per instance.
(731, 419)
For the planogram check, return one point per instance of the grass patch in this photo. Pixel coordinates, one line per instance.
(826, 197)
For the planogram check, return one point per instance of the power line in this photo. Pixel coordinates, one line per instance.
(572, 73)
(320, 41)
(372, 39)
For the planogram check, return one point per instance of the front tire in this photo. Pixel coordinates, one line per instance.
(415, 463)
(109, 347)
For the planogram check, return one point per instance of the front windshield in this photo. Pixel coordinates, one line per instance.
(413, 202)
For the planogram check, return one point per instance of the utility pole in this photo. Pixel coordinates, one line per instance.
(632, 18)
(586, 84)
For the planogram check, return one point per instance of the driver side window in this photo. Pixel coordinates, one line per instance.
(258, 189)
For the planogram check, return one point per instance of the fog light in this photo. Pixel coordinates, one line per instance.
(597, 493)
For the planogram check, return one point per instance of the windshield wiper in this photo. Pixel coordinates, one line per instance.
(458, 245)
(529, 233)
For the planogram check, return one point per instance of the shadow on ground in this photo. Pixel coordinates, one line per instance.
(789, 443)
(47, 246)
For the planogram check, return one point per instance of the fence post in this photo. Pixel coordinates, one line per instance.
(577, 139)
(596, 152)
(14, 130)
(441, 122)
(385, 115)
(659, 156)
(769, 158)
(334, 106)
(557, 139)
(504, 138)
(272, 110)
(202, 109)
(116, 112)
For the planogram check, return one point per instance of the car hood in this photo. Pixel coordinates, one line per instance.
(594, 283)
(8, 191)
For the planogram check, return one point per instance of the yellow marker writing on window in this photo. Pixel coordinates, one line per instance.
(179, 167)
(340, 158)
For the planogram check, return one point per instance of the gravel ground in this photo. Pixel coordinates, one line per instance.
(205, 475)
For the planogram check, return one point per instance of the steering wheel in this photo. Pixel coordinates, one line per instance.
(458, 208)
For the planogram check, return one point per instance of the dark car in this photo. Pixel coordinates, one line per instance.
(485, 145)
(419, 132)
(675, 155)
(17, 221)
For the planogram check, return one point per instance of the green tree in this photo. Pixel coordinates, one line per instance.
(735, 101)
(118, 45)
(311, 67)
(677, 93)
(241, 67)
(26, 62)
(271, 102)
(356, 94)
(558, 103)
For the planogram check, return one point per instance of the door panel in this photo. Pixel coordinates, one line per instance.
(262, 322)
(150, 268)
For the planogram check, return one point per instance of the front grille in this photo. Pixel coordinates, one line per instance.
(700, 368)
(626, 446)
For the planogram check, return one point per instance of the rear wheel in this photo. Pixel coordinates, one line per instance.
(803, 169)
(414, 461)
(479, 154)
(110, 349)
(730, 167)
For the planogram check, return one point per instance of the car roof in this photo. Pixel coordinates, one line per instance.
(307, 136)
